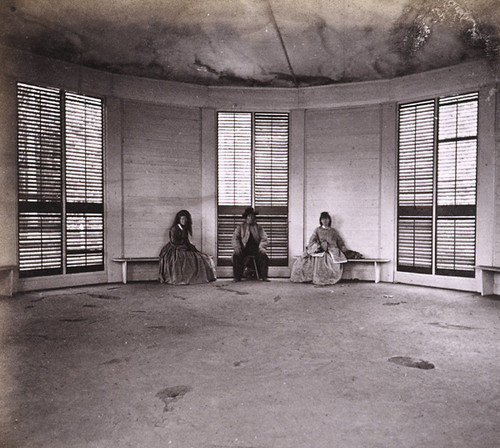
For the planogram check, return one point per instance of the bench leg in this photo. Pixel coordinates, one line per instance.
(7, 282)
(377, 272)
(487, 282)
(11, 282)
(124, 272)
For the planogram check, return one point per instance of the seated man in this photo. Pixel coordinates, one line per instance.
(250, 239)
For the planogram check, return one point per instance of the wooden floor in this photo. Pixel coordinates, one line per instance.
(252, 364)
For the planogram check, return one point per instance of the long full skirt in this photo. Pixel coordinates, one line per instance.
(320, 270)
(179, 266)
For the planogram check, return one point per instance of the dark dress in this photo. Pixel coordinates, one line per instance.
(182, 264)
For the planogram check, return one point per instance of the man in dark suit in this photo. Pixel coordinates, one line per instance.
(250, 239)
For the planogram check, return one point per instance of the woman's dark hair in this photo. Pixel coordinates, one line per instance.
(327, 216)
(189, 223)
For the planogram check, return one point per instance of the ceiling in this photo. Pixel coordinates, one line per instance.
(274, 43)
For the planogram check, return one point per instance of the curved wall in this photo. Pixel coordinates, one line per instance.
(161, 156)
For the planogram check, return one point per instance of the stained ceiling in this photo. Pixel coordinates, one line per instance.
(275, 43)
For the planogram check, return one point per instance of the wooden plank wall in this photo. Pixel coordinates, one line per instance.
(496, 255)
(343, 157)
(161, 173)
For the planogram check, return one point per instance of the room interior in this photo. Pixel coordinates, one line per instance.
(165, 71)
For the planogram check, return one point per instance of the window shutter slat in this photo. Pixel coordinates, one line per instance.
(40, 243)
(84, 183)
(415, 244)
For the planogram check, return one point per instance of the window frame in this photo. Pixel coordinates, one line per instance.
(440, 213)
(64, 207)
(274, 218)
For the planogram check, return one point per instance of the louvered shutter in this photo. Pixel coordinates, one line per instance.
(39, 181)
(84, 183)
(415, 186)
(234, 177)
(456, 185)
(253, 171)
(60, 182)
(271, 181)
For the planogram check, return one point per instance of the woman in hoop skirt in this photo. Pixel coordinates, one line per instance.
(321, 263)
(180, 262)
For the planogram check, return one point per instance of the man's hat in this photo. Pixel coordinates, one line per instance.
(249, 211)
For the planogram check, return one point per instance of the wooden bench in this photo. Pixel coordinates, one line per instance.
(375, 261)
(487, 275)
(10, 269)
(125, 260)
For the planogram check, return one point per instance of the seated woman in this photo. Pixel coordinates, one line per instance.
(180, 262)
(321, 263)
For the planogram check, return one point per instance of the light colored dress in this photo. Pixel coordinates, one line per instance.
(182, 264)
(318, 266)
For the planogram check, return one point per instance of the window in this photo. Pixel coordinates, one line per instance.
(437, 172)
(60, 182)
(253, 171)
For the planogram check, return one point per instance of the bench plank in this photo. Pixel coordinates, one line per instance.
(489, 268)
(125, 260)
(9, 267)
(376, 264)
(487, 274)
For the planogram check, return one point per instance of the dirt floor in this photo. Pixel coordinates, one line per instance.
(250, 365)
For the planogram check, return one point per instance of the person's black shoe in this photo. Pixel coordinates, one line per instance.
(265, 279)
(236, 279)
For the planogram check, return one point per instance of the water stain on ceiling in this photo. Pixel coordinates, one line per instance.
(275, 43)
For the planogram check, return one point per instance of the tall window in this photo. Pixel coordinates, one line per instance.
(437, 186)
(253, 171)
(60, 182)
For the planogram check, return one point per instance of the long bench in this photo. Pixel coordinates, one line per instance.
(487, 275)
(126, 260)
(9, 269)
(376, 264)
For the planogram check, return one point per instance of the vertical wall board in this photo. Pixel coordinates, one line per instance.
(487, 158)
(487, 241)
(8, 179)
(208, 226)
(297, 163)
(161, 173)
(343, 175)
(8, 171)
(113, 192)
(388, 187)
(494, 97)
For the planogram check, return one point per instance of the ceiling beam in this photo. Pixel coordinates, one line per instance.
(276, 27)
